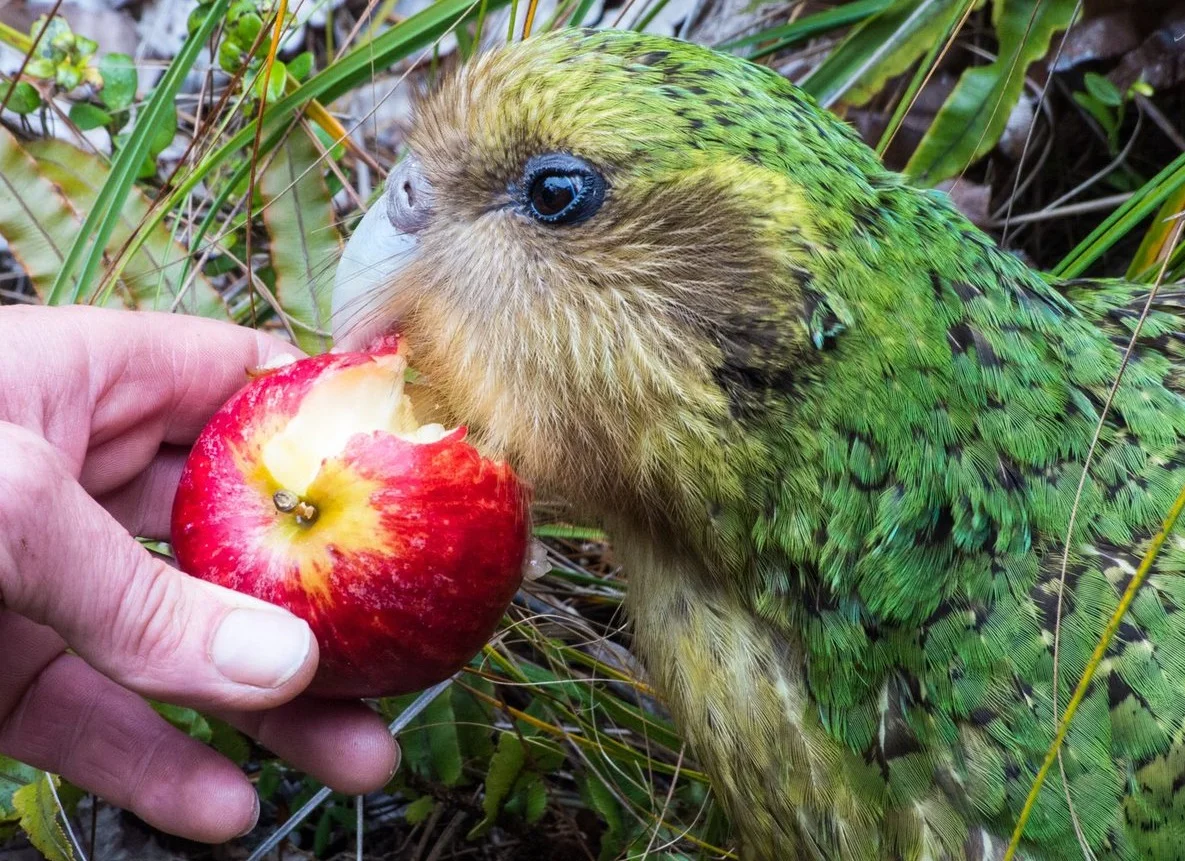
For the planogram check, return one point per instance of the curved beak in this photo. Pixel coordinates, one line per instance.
(384, 243)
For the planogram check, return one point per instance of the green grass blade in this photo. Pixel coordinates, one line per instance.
(86, 252)
(569, 531)
(1157, 238)
(882, 47)
(155, 276)
(1124, 219)
(785, 35)
(581, 12)
(920, 76)
(418, 31)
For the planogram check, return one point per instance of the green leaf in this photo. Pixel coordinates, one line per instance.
(1102, 116)
(1102, 89)
(152, 277)
(535, 802)
(419, 810)
(276, 81)
(247, 28)
(67, 77)
(976, 112)
(442, 740)
(34, 217)
(39, 819)
(187, 720)
(603, 802)
(24, 99)
(475, 719)
(229, 742)
(163, 132)
(785, 35)
(119, 81)
(544, 753)
(40, 67)
(13, 776)
(270, 776)
(882, 47)
(87, 116)
(301, 65)
(322, 834)
(505, 766)
(230, 57)
(305, 244)
(413, 741)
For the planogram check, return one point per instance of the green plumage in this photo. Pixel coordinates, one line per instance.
(842, 486)
(907, 493)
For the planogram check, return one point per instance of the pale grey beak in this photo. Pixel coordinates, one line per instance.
(384, 242)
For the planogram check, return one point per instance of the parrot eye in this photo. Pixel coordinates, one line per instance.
(561, 189)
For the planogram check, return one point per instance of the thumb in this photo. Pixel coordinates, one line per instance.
(66, 563)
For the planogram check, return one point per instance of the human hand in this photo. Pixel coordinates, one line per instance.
(97, 409)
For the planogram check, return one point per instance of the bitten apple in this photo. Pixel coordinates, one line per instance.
(316, 488)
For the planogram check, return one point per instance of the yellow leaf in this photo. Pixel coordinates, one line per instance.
(38, 810)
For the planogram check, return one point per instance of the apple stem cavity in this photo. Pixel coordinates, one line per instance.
(288, 502)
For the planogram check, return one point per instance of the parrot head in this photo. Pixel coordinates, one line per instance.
(591, 233)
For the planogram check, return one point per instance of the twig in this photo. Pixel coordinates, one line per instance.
(1109, 202)
(450, 833)
(1161, 121)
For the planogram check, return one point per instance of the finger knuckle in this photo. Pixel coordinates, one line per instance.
(153, 632)
(31, 478)
(147, 794)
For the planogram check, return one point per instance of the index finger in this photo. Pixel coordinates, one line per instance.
(118, 384)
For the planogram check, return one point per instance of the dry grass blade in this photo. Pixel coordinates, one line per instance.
(1024, 153)
(1092, 665)
(1129, 593)
(359, 830)
(926, 71)
(529, 20)
(65, 819)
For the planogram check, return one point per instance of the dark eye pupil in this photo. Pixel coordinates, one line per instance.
(558, 189)
(551, 195)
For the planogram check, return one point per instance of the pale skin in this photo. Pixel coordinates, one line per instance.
(97, 409)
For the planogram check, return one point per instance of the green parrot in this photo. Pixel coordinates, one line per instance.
(835, 433)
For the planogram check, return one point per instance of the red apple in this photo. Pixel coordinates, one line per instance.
(316, 488)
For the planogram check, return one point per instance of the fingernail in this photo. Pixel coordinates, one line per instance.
(398, 762)
(263, 648)
(254, 817)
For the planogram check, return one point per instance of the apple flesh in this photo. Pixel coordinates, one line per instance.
(317, 489)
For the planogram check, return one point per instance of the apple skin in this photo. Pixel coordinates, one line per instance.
(415, 553)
